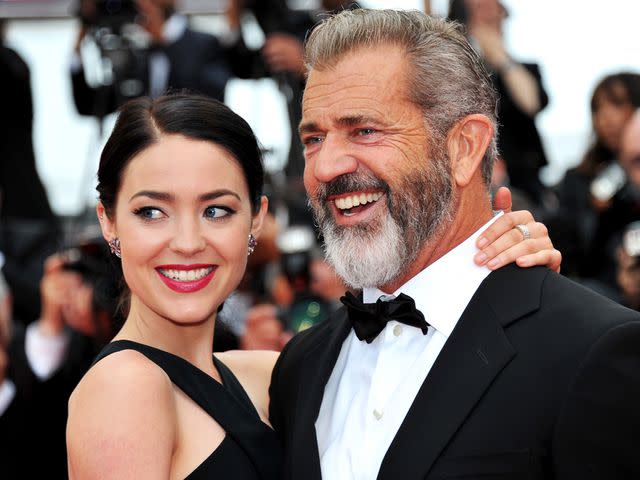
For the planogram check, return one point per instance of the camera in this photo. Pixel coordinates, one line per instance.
(111, 14)
(609, 182)
(296, 244)
(114, 52)
(631, 240)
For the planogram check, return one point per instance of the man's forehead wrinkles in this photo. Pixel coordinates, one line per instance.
(355, 91)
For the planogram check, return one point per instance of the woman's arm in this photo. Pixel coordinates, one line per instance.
(121, 421)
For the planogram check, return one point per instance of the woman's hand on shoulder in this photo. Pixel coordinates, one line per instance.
(253, 369)
(504, 242)
(121, 420)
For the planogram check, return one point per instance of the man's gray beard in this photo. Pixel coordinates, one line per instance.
(377, 253)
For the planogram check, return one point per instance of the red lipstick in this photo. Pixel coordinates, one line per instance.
(188, 286)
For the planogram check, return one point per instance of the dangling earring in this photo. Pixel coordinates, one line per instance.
(114, 246)
(251, 246)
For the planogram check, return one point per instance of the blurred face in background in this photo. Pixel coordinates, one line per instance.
(5, 324)
(630, 150)
(611, 111)
(485, 12)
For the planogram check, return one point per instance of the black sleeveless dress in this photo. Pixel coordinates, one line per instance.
(250, 449)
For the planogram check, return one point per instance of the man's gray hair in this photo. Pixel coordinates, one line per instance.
(448, 80)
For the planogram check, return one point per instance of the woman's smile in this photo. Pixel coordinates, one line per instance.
(186, 278)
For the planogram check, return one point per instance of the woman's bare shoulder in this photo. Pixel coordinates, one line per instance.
(121, 417)
(251, 362)
(253, 369)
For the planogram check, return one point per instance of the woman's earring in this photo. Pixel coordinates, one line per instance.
(251, 246)
(114, 246)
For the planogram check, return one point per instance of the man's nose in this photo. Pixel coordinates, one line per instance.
(335, 158)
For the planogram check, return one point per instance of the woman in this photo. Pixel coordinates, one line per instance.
(587, 189)
(180, 202)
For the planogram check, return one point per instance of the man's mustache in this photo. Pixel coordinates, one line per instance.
(349, 183)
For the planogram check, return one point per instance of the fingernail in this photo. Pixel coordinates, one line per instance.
(482, 241)
(493, 263)
(481, 258)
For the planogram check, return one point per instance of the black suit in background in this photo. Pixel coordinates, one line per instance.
(34, 425)
(29, 229)
(22, 195)
(540, 379)
(519, 142)
(197, 63)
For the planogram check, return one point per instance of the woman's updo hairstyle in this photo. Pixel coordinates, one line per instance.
(141, 122)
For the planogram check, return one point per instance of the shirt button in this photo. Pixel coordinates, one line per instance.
(377, 414)
(397, 330)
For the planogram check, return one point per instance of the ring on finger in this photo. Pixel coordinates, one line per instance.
(524, 230)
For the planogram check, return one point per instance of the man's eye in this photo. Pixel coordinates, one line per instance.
(366, 131)
(148, 213)
(217, 212)
(312, 140)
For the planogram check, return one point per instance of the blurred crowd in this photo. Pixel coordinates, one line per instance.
(59, 293)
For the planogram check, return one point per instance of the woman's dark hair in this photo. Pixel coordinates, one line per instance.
(142, 121)
(620, 89)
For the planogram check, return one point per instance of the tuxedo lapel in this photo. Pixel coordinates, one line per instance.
(475, 353)
(318, 365)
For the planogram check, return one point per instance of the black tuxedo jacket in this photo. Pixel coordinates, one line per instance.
(539, 379)
(197, 63)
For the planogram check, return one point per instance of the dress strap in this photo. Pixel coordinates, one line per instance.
(239, 419)
(234, 387)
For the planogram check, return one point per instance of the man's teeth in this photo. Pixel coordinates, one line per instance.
(345, 203)
(186, 275)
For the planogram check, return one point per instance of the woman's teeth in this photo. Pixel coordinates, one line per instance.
(346, 203)
(186, 275)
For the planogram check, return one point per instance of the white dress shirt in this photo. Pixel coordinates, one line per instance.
(7, 392)
(372, 386)
(45, 353)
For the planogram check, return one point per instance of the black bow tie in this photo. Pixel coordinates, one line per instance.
(369, 319)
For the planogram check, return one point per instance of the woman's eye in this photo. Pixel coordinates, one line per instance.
(149, 213)
(216, 212)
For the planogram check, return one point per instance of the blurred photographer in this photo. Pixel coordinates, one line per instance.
(521, 91)
(29, 229)
(129, 48)
(587, 190)
(46, 359)
(304, 293)
(613, 247)
(628, 272)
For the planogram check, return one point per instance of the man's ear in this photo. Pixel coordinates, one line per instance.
(258, 219)
(106, 224)
(468, 142)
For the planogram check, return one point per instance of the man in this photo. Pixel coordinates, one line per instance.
(508, 374)
(177, 58)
